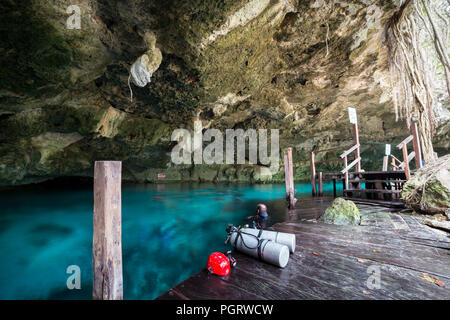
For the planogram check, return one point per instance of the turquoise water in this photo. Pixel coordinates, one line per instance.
(168, 232)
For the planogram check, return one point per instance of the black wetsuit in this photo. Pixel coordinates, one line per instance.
(260, 220)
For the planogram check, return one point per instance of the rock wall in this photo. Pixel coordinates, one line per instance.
(277, 64)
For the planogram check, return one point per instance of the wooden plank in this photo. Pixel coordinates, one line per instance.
(313, 173)
(291, 179)
(286, 174)
(373, 191)
(351, 165)
(332, 149)
(410, 157)
(385, 163)
(346, 153)
(203, 286)
(406, 162)
(346, 174)
(107, 240)
(406, 141)
(416, 145)
(357, 152)
(407, 255)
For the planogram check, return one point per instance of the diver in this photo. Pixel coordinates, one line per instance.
(260, 220)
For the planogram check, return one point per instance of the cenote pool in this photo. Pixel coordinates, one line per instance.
(168, 231)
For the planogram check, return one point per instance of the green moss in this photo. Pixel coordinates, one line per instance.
(33, 52)
(148, 130)
(342, 212)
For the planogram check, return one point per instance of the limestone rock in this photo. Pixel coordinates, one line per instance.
(342, 212)
(428, 191)
(245, 63)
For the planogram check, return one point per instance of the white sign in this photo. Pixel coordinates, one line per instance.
(352, 115)
(388, 149)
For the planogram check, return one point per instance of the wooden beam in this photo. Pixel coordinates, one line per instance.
(393, 163)
(406, 141)
(346, 153)
(395, 159)
(351, 165)
(416, 145)
(313, 173)
(332, 149)
(291, 179)
(385, 163)
(286, 174)
(410, 157)
(356, 139)
(107, 240)
(346, 174)
(405, 160)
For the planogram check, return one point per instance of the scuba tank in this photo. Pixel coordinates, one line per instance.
(263, 249)
(288, 239)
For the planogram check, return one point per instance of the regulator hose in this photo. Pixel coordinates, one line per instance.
(232, 229)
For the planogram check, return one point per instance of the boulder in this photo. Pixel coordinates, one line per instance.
(342, 212)
(428, 192)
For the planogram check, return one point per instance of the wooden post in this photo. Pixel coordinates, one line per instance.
(385, 163)
(291, 179)
(405, 159)
(107, 242)
(286, 174)
(313, 173)
(334, 188)
(346, 173)
(357, 152)
(320, 185)
(416, 144)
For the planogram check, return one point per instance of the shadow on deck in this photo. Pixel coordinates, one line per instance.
(331, 262)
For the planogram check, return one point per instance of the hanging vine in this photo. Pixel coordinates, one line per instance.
(411, 80)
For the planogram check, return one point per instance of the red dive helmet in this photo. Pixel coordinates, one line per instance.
(219, 264)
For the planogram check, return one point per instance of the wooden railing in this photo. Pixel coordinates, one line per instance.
(395, 163)
(416, 154)
(313, 163)
(345, 158)
(356, 162)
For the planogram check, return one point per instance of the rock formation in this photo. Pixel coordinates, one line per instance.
(276, 64)
(342, 212)
(429, 190)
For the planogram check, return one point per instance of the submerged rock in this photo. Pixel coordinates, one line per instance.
(342, 212)
(428, 191)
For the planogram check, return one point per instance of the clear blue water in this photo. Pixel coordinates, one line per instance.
(168, 232)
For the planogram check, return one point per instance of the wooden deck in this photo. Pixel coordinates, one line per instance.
(331, 262)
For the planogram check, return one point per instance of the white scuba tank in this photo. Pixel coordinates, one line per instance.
(264, 249)
(288, 239)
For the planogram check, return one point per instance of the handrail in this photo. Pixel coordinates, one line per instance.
(331, 149)
(332, 160)
(346, 153)
(410, 157)
(396, 159)
(351, 165)
(406, 141)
